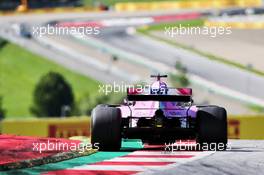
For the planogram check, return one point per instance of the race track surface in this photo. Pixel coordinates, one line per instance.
(230, 45)
(245, 157)
(213, 71)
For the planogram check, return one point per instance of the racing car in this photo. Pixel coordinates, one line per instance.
(157, 114)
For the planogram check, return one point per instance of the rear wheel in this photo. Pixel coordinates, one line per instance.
(106, 128)
(212, 128)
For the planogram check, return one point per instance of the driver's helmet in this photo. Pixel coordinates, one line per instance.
(159, 88)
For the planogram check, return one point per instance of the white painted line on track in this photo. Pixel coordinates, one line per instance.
(163, 153)
(123, 159)
(141, 161)
(131, 163)
(117, 167)
(197, 157)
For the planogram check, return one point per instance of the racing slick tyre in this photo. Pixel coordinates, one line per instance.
(106, 128)
(211, 128)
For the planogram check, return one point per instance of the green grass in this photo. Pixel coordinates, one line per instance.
(20, 70)
(192, 23)
(162, 26)
(257, 109)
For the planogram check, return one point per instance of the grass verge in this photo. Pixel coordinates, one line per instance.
(20, 70)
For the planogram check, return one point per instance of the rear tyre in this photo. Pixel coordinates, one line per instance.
(211, 128)
(106, 128)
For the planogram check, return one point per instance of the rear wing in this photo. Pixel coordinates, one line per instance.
(161, 94)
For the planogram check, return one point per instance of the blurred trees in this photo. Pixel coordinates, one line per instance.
(2, 43)
(53, 96)
(8, 5)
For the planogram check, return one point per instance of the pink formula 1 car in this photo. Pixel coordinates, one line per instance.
(157, 114)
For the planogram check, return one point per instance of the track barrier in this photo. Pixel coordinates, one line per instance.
(48, 127)
(246, 127)
(239, 127)
(235, 25)
(52, 10)
(192, 4)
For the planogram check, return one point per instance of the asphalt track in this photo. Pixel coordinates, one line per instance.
(68, 61)
(231, 77)
(244, 157)
(72, 62)
(117, 36)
